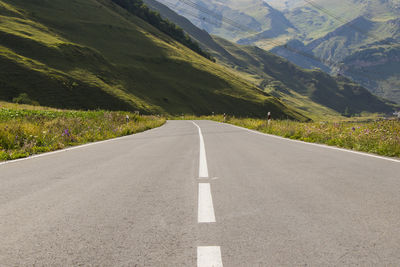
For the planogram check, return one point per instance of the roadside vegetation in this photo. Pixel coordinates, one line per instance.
(379, 137)
(371, 135)
(26, 130)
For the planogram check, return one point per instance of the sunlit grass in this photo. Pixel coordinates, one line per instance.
(378, 137)
(25, 132)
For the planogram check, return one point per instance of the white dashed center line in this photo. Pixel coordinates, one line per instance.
(209, 257)
(203, 170)
(206, 209)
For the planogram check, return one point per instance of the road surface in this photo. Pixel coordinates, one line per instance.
(200, 194)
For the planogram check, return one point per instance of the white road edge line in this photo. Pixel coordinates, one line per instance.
(205, 212)
(75, 147)
(203, 170)
(209, 256)
(314, 144)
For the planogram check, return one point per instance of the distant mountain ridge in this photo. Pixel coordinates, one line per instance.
(233, 20)
(321, 34)
(196, 33)
(363, 43)
(365, 50)
(314, 92)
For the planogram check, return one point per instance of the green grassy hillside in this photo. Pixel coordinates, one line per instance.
(201, 36)
(93, 54)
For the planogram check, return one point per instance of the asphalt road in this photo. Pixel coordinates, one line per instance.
(260, 201)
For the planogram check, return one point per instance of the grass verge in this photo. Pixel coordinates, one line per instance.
(26, 130)
(380, 137)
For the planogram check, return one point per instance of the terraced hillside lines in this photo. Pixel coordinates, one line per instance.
(92, 54)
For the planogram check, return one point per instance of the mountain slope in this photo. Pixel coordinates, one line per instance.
(315, 93)
(317, 18)
(233, 20)
(365, 50)
(330, 35)
(377, 67)
(285, 5)
(94, 54)
(201, 36)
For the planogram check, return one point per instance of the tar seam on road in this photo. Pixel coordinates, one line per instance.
(207, 256)
(314, 144)
(203, 170)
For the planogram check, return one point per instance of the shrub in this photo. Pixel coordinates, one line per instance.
(23, 98)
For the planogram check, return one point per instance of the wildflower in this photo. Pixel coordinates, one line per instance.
(353, 129)
(65, 133)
